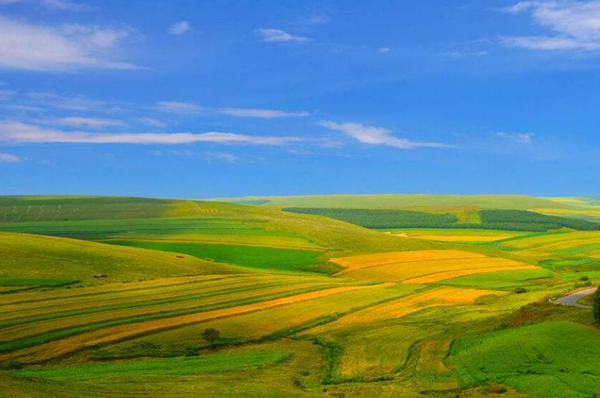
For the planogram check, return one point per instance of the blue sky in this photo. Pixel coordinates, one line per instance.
(229, 98)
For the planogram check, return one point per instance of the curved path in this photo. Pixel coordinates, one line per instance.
(570, 300)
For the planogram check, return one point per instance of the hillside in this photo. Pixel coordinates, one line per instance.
(518, 202)
(35, 257)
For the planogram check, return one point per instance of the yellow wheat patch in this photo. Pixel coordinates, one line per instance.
(440, 276)
(422, 266)
(368, 260)
(464, 238)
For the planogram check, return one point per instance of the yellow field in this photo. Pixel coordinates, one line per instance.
(431, 357)
(401, 307)
(441, 276)
(262, 323)
(108, 335)
(425, 266)
(462, 238)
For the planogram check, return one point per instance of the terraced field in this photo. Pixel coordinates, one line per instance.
(119, 306)
(425, 266)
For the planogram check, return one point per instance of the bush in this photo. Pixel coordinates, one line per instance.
(13, 365)
(520, 290)
(596, 306)
(497, 388)
(584, 278)
(211, 336)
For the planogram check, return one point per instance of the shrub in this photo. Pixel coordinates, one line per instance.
(520, 290)
(211, 336)
(497, 388)
(13, 365)
(596, 306)
(584, 278)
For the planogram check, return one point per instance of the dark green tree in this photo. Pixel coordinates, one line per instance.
(596, 307)
(211, 336)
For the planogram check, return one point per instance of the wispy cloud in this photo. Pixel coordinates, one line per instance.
(56, 4)
(9, 158)
(6, 94)
(575, 25)
(190, 108)
(261, 113)
(377, 136)
(180, 28)
(152, 122)
(27, 46)
(18, 132)
(516, 138)
(179, 107)
(465, 53)
(89, 122)
(278, 36)
(72, 103)
(384, 50)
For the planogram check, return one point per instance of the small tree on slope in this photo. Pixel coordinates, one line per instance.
(596, 307)
(211, 336)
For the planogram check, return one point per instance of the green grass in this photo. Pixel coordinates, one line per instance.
(35, 282)
(511, 220)
(63, 208)
(141, 228)
(499, 280)
(183, 366)
(550, 360)
(381, 219)
(266, 258)
(41, 257)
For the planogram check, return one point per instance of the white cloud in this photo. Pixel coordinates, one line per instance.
(152, 122)
(9, 158)
(465, 53)
(575, 25)
(194, 109)
(261, 113)
(377, 136)
(180, 27)
(278, 36)
(179, 107)
(517, 138)
(94, 123)
(384, 50)
(32, 47)
(18, 132)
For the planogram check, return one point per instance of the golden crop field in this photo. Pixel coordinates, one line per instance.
(442, 296)
(425, 266)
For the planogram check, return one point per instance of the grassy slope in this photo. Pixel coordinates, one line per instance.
(553, 360)
(332, 235)
(65, 208)
(39, 257)
(385, 347)
(400, 201)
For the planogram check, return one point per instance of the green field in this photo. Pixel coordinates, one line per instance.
(113, 299)
(510, 220)
(555, 359)
(250, 256)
